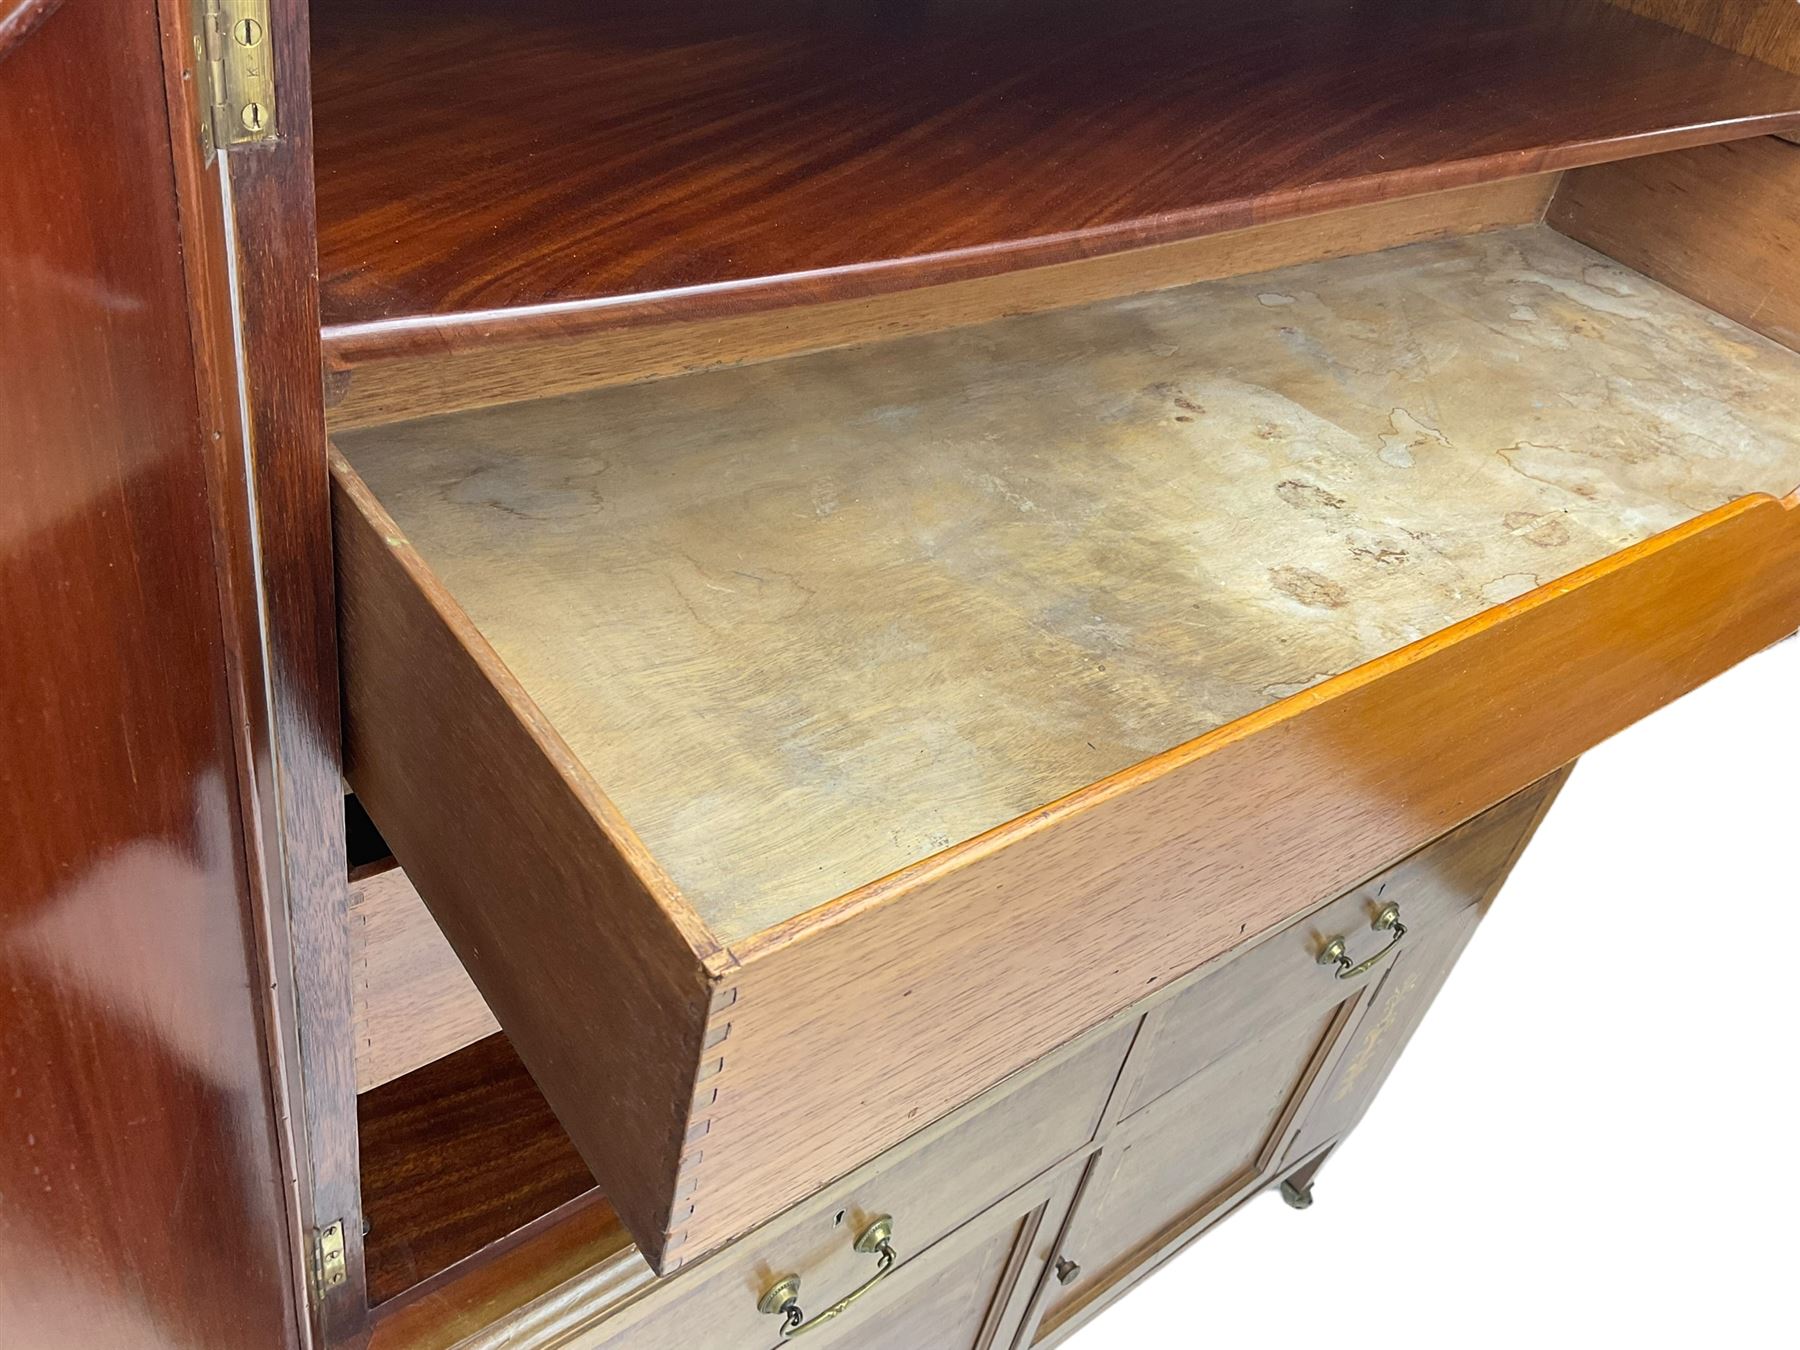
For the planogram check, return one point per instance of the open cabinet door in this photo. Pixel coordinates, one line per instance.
(156, 1180)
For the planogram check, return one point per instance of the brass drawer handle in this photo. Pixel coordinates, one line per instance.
(1337, 954)
(783, 1297)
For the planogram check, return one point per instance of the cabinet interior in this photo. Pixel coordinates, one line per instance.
(888, 581)
(642, 159)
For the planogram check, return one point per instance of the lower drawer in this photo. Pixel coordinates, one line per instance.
(1282, 977)
(930, 1186)
(967, 1291)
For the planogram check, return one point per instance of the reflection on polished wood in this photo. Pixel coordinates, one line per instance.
(142, 1196)
(448, 378)
(747, 155)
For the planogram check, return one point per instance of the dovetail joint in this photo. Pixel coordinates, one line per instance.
(706, 1095)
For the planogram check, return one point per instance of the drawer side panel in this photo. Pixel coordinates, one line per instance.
(592, 968)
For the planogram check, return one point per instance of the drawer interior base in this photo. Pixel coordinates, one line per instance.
(874, 602)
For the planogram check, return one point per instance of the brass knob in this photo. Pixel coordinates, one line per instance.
(782, 1299)
(1337, 952)
(1067, 1271)
(780, 1296)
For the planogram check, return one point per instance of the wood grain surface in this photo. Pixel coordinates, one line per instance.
(744, 156)
(1718, 222)
(974, 962)
(534, 1289)
(374, 383)
(871, 603)
(412, 1001)
(1279, 978)
(143, 1198)
(455, 1157)
(590, 960)
(1766, 29)
(248, 245)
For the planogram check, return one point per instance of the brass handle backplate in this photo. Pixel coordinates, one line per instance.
(1337, 951)
(782, 1299)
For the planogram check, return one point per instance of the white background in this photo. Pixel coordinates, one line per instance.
(1591, 1140)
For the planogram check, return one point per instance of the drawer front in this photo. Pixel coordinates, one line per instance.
(965, 1293)
(1281, 978)
(930, 1187)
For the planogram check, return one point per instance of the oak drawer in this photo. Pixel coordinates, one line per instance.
(930, 1186)
(1282, 978)
(791, 753)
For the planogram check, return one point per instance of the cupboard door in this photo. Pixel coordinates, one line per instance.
(142, 1161)
(1383, 1027)
(1180, 1161)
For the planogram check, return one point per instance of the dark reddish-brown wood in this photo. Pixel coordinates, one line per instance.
(143, 1199)
(456, 1156)
(247, 221)
(642, 160)
(19, 17)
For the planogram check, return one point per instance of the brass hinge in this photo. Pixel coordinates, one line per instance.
(328, 1270)
(235, 58)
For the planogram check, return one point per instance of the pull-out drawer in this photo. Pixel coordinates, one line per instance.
(790, 753)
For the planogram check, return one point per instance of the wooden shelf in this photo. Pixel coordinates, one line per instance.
(489, 168)
(459, 1156)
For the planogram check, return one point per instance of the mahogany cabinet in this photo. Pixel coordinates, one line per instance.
(932, 612)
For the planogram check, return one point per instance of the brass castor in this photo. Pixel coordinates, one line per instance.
(1298, 1197)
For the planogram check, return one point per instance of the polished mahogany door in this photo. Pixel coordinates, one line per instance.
(142, 1202)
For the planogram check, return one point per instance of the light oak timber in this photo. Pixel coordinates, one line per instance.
(412, 1001)
(1280, 978)
(375, 381)
(1715, 223)
(933, 1184)
(1001, 947)
(536, 1288)
(1475, 862)
(1203, 1141)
